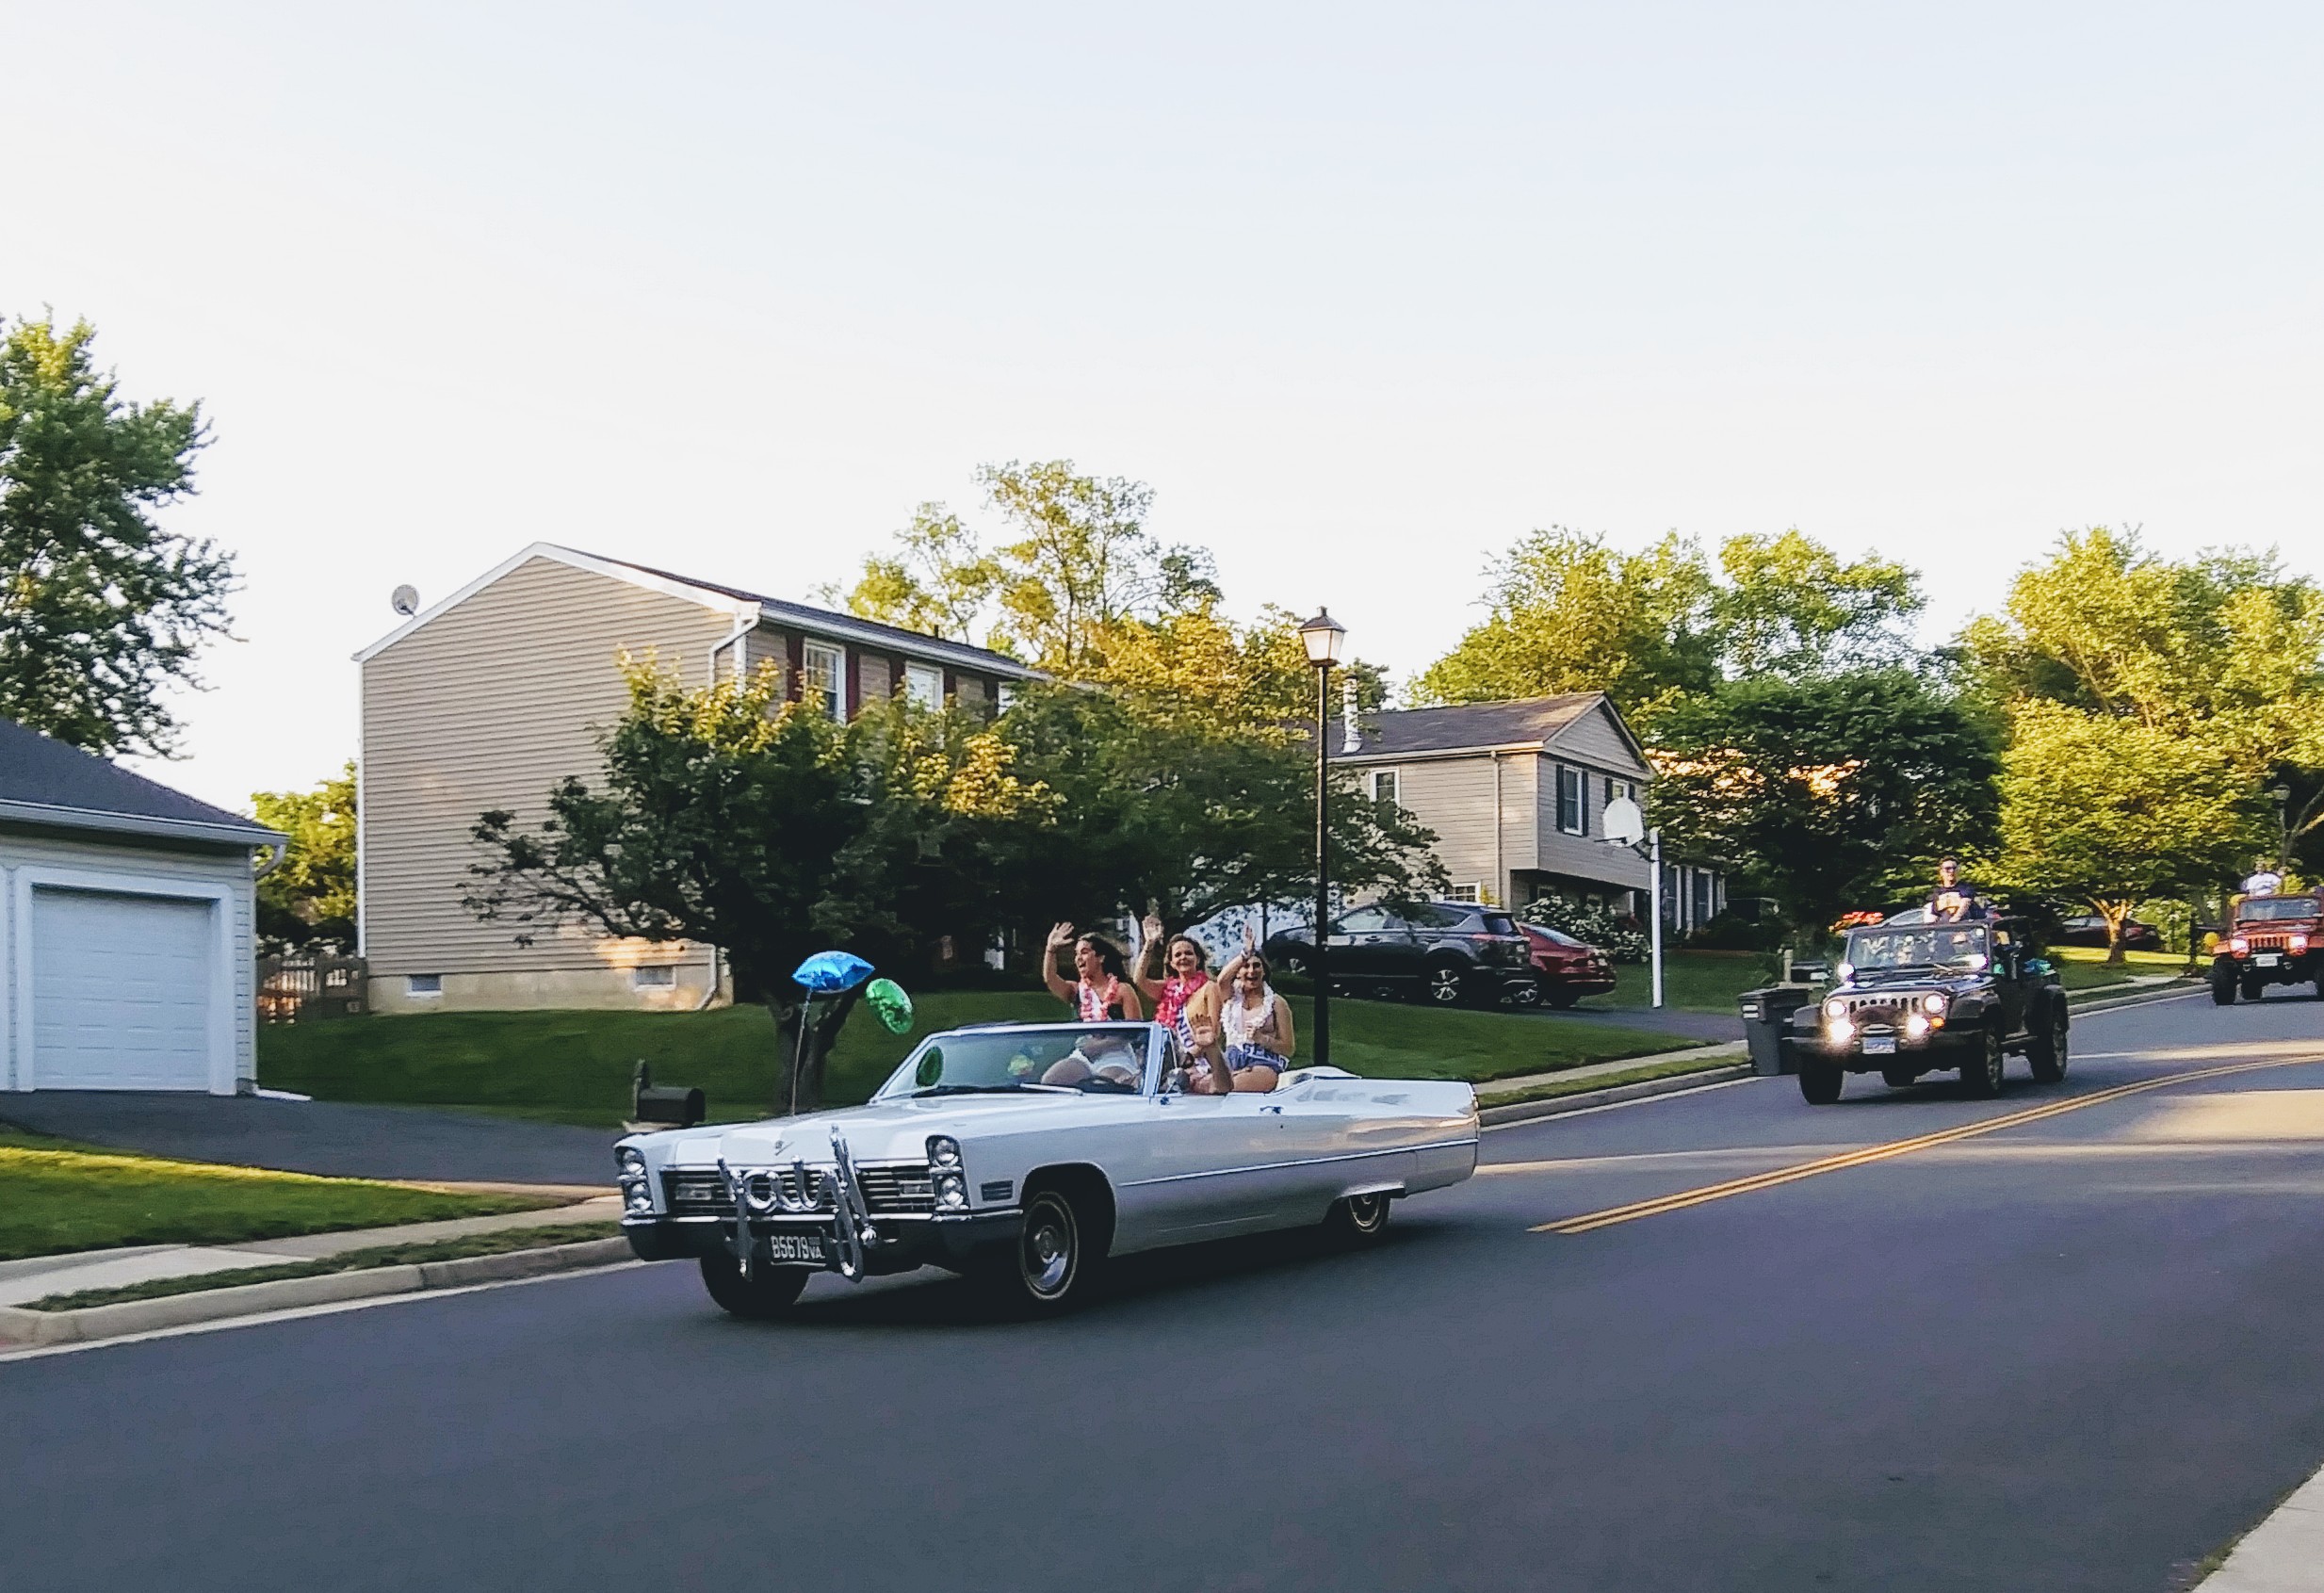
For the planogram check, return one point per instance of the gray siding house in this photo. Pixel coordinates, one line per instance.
(489, 698)
(1516, 794)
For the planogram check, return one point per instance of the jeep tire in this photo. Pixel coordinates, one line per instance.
(1982, 1073)
(1820, 1082)
(1898, 1077)
(2253, 989)
(2046, 1050)
(2223, 988)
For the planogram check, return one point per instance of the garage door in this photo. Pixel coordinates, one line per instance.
(121, 992)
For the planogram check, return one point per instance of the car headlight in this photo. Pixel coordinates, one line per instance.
(1916, 1026)
(1846, 972)
(952, 1192)
(943, 1151)
(1841, 1028)
(1835, 1008)
(2238, 945)
(638, 1197)
(1932, 1003)
(2297, 944)
(631, 1161)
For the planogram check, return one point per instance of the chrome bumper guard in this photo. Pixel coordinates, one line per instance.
(757, 1192)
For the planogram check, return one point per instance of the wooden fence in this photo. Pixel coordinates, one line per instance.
(302, 989)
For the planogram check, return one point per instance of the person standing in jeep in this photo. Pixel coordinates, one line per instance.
(1955, 900)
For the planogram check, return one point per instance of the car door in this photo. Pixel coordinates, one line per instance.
(1207, 1166)
(1361, 945)
(2011, 984)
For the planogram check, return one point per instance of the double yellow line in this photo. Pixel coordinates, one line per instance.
(1590, 1221)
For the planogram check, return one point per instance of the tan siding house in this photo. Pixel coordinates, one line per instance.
(489, 698)
(1517, 792)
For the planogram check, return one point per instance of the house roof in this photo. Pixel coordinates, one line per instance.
(1528, 722)
(43, 781)
(744, 605)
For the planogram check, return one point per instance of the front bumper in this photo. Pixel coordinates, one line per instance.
(2290, 968)
(1861, 1052)
(904, 1243)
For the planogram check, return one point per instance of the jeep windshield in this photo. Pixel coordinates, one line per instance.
(2276, 910)
(1920, 946)
(1097, 1059)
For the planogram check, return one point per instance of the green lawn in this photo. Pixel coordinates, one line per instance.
(2085, 968)
(575, 1066)
(1691, 980)
(56, 1199)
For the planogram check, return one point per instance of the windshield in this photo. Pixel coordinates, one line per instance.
(2276, 910)
(1933, 946)
(1101, 1059)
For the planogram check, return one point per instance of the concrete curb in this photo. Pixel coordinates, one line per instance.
(20, 1329)
(2107, 1002)
(1557, 1106)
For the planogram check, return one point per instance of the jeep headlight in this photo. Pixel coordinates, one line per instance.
(1932, 1003)
(1835, 1008)
(943, 1151)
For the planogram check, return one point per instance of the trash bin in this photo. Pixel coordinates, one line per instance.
(1767, 1022)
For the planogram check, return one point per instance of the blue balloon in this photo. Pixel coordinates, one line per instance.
(827, 974)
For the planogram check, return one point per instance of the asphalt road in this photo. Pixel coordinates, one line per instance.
(2079, 1353)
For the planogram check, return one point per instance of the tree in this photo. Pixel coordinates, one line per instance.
(309, 899)
(1828, 787)
(937, 581)
(728, 817)
(1568, 613)
(101, 610)
(2225, 649)
(1790, 606)
(2109, 810)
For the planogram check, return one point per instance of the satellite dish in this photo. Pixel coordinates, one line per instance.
(1624, 825)
(404, 600)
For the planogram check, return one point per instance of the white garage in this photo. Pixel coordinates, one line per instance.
(126, 922)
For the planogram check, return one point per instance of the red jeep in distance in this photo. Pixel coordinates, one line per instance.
(2269, 940)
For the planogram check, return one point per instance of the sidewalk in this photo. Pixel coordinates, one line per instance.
(1708, 1055)
(2284, 1553)
(37, 1278)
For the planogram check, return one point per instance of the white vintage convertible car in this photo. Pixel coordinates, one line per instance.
(1027, 1154)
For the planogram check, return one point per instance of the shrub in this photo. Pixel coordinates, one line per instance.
(1622, 938)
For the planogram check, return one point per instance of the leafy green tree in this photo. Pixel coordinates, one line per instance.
(102, 610)
(937, 580)
(2110, 810)
(1565, 612)
(728, 817)
(308, 901)
(1826, 787)
(1789, 606)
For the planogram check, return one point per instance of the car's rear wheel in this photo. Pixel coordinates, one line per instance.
(1820, 1083)
(1359, 1218)
(1561, 1000)
(1526, 995)
(2048, 1050)
(768, 1295)
(1982, 1075)
(1444, 983)
(1898, 1077)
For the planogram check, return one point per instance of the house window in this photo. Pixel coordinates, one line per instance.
(1702, 897)
(1470, 892)
(824, 672)
(923, 686)
(1007, 695)
(423, 984)
(657, 975)
(1384, 786)
(1572, 816)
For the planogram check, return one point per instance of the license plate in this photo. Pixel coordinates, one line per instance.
(807, 1247)
(2268, 959)
(1879, 1045)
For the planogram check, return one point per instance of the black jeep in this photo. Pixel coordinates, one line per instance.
(1915, 998)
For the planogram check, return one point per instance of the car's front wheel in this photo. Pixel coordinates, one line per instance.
(2048, 1050)
(1820, 1082)
(768, 1295)
(1359, 1218)
(1898, 1077)
(1292, 960)
(2253, 990)
(1053, 1267)
(1982, 1074)
(2223, 989)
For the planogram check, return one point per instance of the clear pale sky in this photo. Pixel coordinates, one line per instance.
(1364, 292)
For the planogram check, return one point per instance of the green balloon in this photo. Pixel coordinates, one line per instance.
(889, 1004)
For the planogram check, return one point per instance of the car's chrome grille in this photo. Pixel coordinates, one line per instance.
(699, 1192)
(2281, 941)
(1890, 1005)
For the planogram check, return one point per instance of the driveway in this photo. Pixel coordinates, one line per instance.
(337, 1138)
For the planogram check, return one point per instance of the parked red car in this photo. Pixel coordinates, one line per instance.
(1566, 970)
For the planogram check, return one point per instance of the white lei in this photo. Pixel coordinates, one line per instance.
(1241, 1023)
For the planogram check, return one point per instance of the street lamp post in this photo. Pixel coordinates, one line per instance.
(1323, 636)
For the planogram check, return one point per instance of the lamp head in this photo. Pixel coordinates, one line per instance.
(1321, 636)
